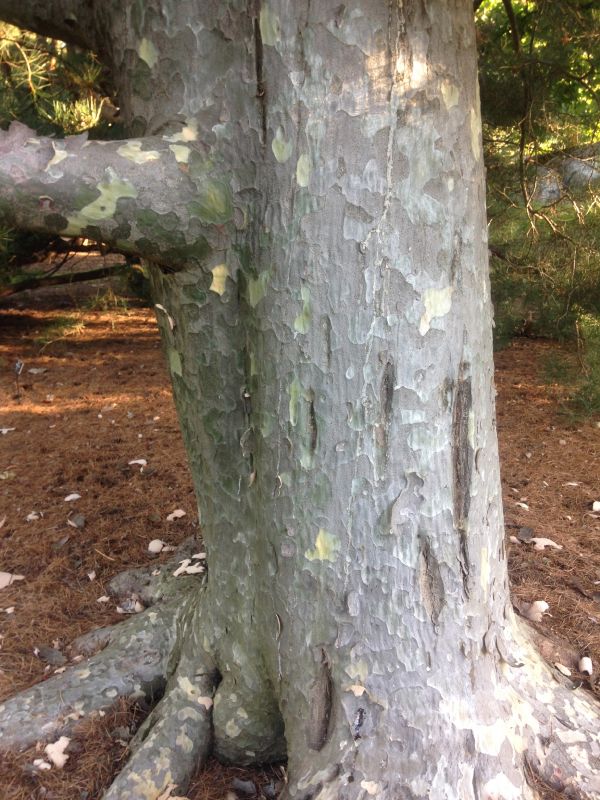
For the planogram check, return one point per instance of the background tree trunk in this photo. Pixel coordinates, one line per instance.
(331, 358)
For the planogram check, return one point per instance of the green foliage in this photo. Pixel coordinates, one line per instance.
(52, 87)
(585, 400)
(540, 89)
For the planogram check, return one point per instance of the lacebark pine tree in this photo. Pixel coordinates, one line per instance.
(305, 181)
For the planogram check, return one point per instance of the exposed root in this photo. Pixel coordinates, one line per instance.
(134, 664)
(173, 742)
(152, 584)
(176, 738)
(564, 750)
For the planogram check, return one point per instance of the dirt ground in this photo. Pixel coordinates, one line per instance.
(94, 395)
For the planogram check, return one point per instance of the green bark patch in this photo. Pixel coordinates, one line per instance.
(327, 547)
(303, 320)
(257, 288)
(213, 204)
(175, 362)
(112, 188)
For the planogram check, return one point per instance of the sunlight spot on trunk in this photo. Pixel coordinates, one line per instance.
(475, 134)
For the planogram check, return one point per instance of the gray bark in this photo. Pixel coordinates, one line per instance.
(331, 363)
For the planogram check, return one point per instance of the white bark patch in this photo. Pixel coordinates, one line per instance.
(500, 788)
(147, 52)
(189, 133)
(450, 94)
(572, 737)
(132, 151)
(60, 154)
(281, 147)
(111, 188)
(356, 689)
(206, 702)
(327, 547)
(181, 153)
(186, 686)
(370, 787)
(438, 303)
(219, 280)
(358, 670)
(303, 170)
(484, 571)
(232, 730)
(270, 27)
(184, 742)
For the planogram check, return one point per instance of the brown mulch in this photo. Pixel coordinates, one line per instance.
(104, 400)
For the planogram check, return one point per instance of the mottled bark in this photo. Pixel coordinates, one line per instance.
(332, 369)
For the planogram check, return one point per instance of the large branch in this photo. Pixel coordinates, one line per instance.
(159, 197)
(61, 279)
(69, 20)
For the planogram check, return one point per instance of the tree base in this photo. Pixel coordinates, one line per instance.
(533, 724)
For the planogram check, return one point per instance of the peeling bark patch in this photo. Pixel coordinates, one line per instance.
(326, 547)
(321, 699)
(431, 584)
(462, 462)
(220, 274)
(438, 303)
(386, 391)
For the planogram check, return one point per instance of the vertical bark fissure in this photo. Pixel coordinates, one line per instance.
(261, 89)
(321, 702)
(462, 465)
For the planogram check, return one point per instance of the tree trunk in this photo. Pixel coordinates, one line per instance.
(326, 318)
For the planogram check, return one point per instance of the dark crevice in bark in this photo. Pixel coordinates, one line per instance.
(462, 465)
(312, 423)
(321, 701)
(261, 90)
(430, 581)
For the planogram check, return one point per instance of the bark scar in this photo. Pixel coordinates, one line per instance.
(321, 701)
(430, 582)
(462, 465)
(261, 91)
